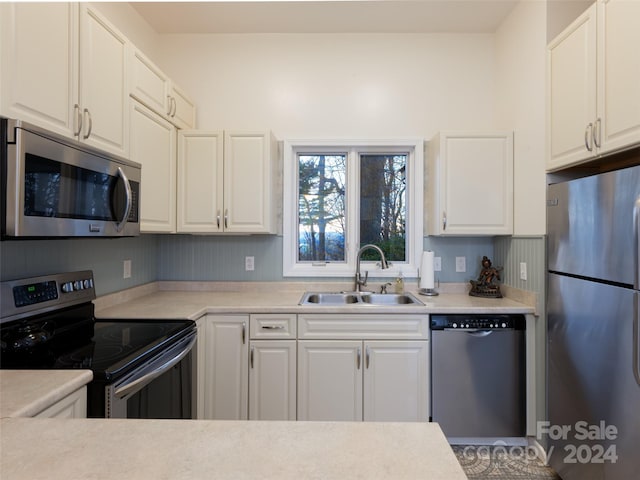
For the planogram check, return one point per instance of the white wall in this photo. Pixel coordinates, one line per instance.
(347, 85)
(520, 105)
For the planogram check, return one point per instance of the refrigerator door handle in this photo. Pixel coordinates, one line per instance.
(636, 242)
(636, 339)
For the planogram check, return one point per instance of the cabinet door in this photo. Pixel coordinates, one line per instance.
(618, 123)
(396, 380)
(39, 65)
(572, 92)
(149, 85)
(330, 380)
(471, 184)
(73, 405)
(104, 91)
(200, 181)
(182, 111)
(226, 367)
(272, 380)
(248, 178)
(153, 144)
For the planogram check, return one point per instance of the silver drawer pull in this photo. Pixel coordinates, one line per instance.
(273, 327)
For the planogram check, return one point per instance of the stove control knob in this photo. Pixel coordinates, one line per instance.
(455, 325)
(467, 326)
(87, 284)
(77, 285)
(504, 325)
(67, 287)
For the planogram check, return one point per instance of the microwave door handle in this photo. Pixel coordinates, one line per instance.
(139, 383)
(128, 194)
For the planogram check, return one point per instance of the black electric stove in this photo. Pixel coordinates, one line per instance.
(49, 323)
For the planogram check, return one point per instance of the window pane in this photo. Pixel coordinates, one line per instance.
(321, 207)
(383, 212)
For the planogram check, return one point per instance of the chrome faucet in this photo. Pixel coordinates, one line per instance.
(383, 264)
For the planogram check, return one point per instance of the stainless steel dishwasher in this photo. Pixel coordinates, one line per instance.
(478, 375)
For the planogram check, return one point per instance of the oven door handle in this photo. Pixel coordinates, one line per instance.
(137, 384)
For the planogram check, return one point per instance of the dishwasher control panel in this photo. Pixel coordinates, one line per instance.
(477, 322)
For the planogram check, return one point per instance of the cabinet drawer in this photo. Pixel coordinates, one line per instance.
(366, 326)
(263, 326)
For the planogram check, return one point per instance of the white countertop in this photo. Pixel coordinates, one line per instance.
(186, 449)
(193, 299)
(25, 393)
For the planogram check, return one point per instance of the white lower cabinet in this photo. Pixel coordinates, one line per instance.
(223, 345)
(272, 380)
(363, 367)
(325, 367)
(363, 380)
(73, 405)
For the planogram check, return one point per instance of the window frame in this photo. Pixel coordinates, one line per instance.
(413, 147)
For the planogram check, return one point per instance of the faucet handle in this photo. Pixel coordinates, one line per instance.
(383, 287)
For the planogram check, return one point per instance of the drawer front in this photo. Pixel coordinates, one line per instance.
(365, 326)
(276, 326)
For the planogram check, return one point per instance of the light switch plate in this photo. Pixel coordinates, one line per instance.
(523, 271)
(437, 264)
(461, 264)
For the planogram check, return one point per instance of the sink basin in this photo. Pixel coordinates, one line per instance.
(390, 299)
(356, 298)
(329, 298)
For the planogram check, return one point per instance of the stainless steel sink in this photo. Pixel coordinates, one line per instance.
(358, 298)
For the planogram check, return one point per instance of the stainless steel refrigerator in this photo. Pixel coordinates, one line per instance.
(593, 362)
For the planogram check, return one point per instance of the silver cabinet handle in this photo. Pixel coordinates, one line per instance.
(244, 332)
(170, 105)
(175, 106)
(88, 114)
(273, 327)
(597, 129)
(218, 219)
(226, 218)
(366, 358)
(358, 358)
(444, 220)
(588, 135)
(77, 120)
(251, 357)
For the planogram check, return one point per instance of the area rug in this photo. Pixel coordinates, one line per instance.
(481, 462)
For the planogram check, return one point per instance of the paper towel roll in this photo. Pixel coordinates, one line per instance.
(427, 279)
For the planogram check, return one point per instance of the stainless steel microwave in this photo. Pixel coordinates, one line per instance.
(53, 186)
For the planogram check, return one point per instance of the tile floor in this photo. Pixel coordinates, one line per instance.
(502, 463)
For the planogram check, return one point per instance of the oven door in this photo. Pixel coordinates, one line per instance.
(160, 388)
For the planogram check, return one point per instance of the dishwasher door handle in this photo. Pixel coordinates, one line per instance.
(475, 332)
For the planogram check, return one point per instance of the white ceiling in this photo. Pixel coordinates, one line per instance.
(328, 16)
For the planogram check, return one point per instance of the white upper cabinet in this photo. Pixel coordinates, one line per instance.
(200, 173)
(153, 88)
(226, 182)
(153, 145)
(39, 64)
(103, 84)
(470, 184)
(64, 69)
(249, 182)
(594, 84)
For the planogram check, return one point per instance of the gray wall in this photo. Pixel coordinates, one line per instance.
(30, 258)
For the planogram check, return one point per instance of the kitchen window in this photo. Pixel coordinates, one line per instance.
(342, 195)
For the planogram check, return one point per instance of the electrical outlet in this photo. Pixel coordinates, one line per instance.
(461, 264)
(523, 271)
(249, 264)
(126, 269)
(437, 264)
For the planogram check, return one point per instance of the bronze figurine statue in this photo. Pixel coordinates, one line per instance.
(487, 283)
